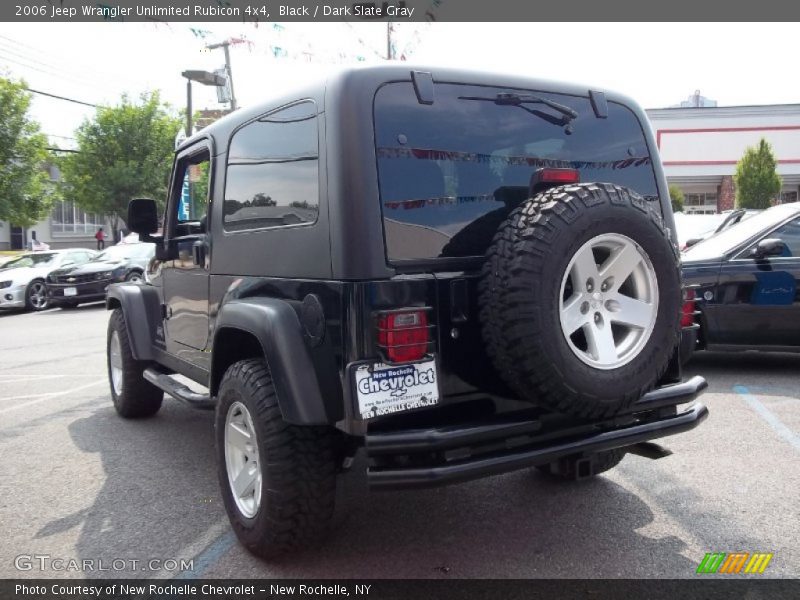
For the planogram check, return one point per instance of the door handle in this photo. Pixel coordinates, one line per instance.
(199, 253)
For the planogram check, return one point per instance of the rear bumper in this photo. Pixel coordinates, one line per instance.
(439, 456)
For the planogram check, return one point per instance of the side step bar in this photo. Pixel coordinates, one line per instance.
(177, 390)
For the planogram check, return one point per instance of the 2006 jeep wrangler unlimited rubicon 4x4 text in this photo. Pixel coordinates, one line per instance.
(462, 274)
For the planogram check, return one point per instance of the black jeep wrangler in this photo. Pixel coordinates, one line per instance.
(462, 274)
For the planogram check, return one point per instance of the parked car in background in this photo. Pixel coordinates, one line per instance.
(22, 280)
(70, 286)
(4, 259)
(743, 283)
(692, 229)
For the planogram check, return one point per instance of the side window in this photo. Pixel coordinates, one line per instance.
(790, 234)
(273, 172)
(190, 194)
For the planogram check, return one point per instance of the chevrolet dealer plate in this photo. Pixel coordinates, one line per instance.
(384, 389)
(70, 292)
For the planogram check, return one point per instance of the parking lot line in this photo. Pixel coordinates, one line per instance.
(37, 377)
(43, 397)
(766, 414)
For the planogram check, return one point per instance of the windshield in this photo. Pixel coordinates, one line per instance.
(722, 243)
(33, 260)
(124, 252)
(452, 171)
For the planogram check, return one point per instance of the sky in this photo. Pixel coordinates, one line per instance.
(658, 64)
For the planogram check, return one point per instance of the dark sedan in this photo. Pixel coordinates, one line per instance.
(744, 284)
(88, 282)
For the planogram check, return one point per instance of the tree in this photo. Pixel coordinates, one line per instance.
(25, 193)
(676, 197)
(757, 181)
(124, 152)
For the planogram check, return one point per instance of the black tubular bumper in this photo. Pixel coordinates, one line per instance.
(436, 456)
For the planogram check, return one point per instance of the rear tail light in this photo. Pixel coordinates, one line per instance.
(403, 336)
(687, 316)
(555, 176)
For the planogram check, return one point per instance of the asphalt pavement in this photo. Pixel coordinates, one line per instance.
(86, 488)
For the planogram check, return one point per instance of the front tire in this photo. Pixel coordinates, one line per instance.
(134, 397)
(278, 480)
(134, 277)
(36, 295)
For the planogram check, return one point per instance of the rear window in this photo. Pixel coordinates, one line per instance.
(450, 172)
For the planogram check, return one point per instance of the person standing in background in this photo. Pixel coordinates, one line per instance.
(101, 238)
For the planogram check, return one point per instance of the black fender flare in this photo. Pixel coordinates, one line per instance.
(275, 324)
(141, 307)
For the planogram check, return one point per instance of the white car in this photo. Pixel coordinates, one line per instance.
(22, 280)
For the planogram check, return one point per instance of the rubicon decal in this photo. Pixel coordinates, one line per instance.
(384, 389)
(732, 563)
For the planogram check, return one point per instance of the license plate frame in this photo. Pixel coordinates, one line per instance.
(408, 387)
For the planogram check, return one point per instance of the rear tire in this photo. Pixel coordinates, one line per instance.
(597, 247)
(134, 397)
(286, 473)
(573, 468)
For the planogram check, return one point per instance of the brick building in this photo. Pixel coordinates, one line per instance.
(700, 147)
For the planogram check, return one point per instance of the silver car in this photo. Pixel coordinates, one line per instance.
(22, 280)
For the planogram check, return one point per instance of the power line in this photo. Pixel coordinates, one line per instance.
(42, 66)
(62, 150)
(63, 98)
(75, 69)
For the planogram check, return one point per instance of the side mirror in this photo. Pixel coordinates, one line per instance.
(143, 216)
(768, 247)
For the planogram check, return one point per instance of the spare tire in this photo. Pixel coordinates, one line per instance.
(580, 299)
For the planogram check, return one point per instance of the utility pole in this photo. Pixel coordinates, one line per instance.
(389, 41)
(188, 107)
(225, 45)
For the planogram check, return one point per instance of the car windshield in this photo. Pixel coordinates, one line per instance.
(124, 252)
(33, 260)
(722, 243)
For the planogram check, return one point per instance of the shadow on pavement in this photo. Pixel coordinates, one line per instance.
(519, 525)
(160, 488)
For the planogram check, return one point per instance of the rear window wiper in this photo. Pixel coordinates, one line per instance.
(506, 99)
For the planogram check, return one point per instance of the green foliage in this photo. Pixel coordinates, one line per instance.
(25, 193)
(757, 181)
(676, 197)
(125, 152)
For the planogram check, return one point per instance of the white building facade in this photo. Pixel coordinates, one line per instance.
(700, 147)
(67, 226)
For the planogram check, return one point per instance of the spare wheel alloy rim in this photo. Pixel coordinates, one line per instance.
(608, 301)
(241, 460)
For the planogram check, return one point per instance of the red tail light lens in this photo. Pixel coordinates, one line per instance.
(403, 336)
(553, 175)
(687, 316)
